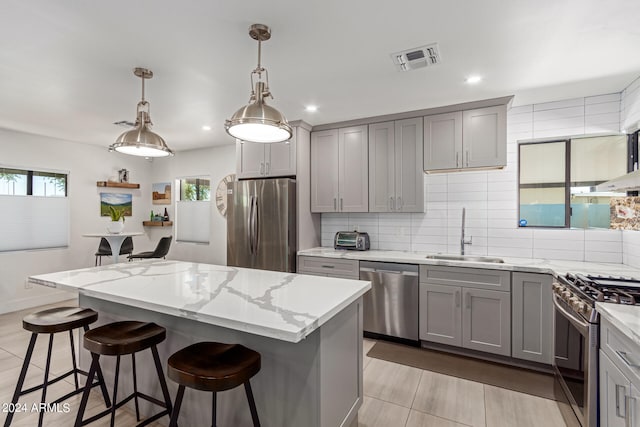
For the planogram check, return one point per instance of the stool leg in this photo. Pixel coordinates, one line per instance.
(103, 386)
(87, 389)
(163, 382)
(252, 404)
(73, 359)
(214, 408)
(115, 392)
(176, 409)
(46, 379)
(135, 386)
(23, 374)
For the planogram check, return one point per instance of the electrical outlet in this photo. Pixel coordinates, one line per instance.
(356, 228)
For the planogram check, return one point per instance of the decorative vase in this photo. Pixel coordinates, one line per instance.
(115, 227)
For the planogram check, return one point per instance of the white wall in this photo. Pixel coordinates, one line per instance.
(86, 165)
(491, 198)
(215, 162)
(630, 113)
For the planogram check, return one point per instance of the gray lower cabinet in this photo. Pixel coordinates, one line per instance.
(614, 387)
(532, 317)
(320, 266)
(466, 307)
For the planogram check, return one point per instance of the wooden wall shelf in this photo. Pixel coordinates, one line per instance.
(117, 184)
(157, 223)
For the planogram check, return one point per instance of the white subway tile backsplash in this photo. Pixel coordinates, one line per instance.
(567, 103)
(606, 107)
(498, 251)
(564, 132)
(559, 234)
(558, 254)
(610, 97)
(558, 114)
(520, 110)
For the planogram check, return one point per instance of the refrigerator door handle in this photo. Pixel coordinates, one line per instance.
(250, 225)
(256, 226)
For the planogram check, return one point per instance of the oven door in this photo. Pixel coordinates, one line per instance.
(576, 361)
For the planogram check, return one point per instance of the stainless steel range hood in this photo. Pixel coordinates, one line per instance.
(628, 182)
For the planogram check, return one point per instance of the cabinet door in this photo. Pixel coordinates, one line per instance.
(382, 167)
(443, 141)
(484, 134)
(632, 412)
(353, 169)
(250, 159)
(440, 314)
(486, 321)
(614, 388)
(532, 317)
(324, 171)
(408, 165)
(280, 158)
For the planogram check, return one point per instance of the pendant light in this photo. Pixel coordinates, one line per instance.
(141, 141)
(257, 121)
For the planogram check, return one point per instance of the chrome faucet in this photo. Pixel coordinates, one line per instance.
(462, 240)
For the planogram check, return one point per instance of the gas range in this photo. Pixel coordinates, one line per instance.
(577, 335)
(581, 292)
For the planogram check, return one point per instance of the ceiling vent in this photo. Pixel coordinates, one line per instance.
(419, 57)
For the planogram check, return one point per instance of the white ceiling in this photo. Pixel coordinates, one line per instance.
(66, 65)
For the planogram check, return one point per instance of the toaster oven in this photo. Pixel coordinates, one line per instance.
(351, 240)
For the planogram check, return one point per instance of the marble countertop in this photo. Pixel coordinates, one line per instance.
(283, 306)
(624, 317)
(528, 265)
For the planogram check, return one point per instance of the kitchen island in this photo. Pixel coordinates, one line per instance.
(307, 329)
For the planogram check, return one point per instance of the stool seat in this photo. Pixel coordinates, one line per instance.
(59, 319)
(124, 337)
(212, 366)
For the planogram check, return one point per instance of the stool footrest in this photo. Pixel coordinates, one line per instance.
(53, 381)
(125, 401)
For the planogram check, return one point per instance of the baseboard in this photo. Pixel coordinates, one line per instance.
(35, 301)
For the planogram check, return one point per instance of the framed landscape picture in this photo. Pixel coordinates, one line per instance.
(161, 193)
(118, 201)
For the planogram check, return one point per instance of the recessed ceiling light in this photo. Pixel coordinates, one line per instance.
(311, 108)
(473, 80)
(205, 127)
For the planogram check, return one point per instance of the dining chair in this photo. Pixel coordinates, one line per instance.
(161, 250)
(104, 249)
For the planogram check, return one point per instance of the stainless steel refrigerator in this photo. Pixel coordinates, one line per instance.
(261, 224)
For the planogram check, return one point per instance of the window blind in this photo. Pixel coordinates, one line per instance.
(193, 221)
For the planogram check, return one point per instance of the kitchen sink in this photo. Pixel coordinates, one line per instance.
(470, 258)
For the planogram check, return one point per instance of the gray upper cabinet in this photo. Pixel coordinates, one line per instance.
(532, 317)
(257, 160)
(396, 178)
(443, 141)
(466, 139)
(484, 136)
(339, 170)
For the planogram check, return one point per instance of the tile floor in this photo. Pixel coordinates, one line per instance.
(395, 395)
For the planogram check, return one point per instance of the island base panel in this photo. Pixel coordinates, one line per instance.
(316, 382)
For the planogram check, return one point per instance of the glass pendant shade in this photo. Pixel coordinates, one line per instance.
(141, 141)
(257, 121)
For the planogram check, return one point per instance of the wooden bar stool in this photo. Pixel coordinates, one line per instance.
(117, 339)
(212, 366)
(51, 321)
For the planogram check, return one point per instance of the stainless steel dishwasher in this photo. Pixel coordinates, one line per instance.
(391, 306)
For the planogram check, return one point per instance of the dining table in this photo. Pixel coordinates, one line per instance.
(115, 240)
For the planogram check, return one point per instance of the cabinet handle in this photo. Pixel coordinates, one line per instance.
(630, 404)
(467, 158)
(335, 206)
(268, 169)
(625, 357)
(457, 156)
(619, 413)
(457, 298)
(328, 266)
(467, 297)
(390, 203)
(399, 207)
(261, 168)
(341, 205)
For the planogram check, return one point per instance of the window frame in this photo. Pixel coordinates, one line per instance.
(567, 175)
(30, 173)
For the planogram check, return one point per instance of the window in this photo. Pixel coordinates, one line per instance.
(557, 180)
(35, 209)
(193, 209)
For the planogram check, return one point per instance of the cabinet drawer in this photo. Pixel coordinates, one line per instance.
(621, 350)
(468, 277)
(334, 267)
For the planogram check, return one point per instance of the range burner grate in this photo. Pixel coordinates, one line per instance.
(606, 289)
